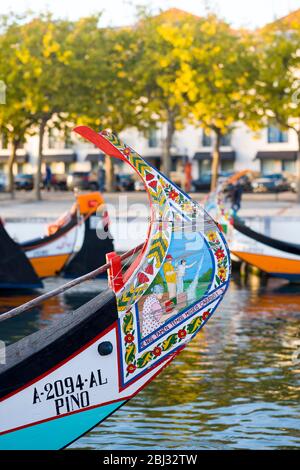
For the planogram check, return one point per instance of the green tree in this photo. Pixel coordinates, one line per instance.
(221, 70)
(44, 55)
(106, 94)
(276, 100)
(163, 74)
(15, 120)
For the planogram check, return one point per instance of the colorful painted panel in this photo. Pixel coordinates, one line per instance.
(184, 277)
(181, 276)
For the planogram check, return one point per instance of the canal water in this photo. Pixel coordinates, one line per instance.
(236, 386)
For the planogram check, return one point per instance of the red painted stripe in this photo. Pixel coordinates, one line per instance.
(90, 407)
(61, 363)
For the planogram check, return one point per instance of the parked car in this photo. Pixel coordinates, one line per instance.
(24, 182)
(59, 182)
(83, 180)
(202, 184)
(124, 183)
(3, 182)
(245, 181)
(270, 184)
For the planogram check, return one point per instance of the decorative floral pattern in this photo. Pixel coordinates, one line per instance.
(172, 194)
(215, 242)
(169, 203)
(174, 339)
(159, 239)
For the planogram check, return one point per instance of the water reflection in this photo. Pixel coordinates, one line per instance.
(234, 387)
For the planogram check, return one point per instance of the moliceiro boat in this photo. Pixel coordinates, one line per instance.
(62, 381)
(272, 254)
(277, 258)
(74, 244)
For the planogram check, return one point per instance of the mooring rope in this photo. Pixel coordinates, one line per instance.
(86, 277)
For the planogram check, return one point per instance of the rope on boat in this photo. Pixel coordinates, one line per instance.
(79, 280)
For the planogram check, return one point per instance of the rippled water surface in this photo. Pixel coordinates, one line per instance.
(236, 386)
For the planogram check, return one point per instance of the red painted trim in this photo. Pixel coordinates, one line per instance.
(103, 144)
(115, 277)
(119, 355)
(90, 407)
(57, 366)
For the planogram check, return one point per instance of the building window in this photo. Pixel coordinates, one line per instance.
(204, 167)
(206, 140)
(276, 135)
(227, 166)
(289, 166)
(268, 167)
(153, 139)
(226, 140)
(51, 139)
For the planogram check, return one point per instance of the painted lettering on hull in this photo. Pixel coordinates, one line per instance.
(69, 393)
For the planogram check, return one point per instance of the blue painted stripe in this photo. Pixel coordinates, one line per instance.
(289, 277)
(57, 433)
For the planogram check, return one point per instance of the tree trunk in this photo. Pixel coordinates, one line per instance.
(298, 169)
(167, 144)
(215, 161)
(109, 174)
(38, 175)
(11, 161)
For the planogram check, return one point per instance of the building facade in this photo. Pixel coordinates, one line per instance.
(269, 151)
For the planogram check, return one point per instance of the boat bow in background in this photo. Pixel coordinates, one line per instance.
(278, 258)
(76, 243)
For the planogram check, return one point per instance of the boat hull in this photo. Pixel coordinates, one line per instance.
(56, 434)
(275, 266)
(49, 266)
(16, 271)
(56, 405)
(97, 242)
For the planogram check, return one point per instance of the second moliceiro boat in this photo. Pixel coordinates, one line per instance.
(74, 244)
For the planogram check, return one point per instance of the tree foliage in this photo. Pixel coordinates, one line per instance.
(276, 97)
(170, 69)
(222, 71)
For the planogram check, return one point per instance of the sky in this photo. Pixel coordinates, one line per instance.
(239, 13)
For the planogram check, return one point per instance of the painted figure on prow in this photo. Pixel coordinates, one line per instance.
(180, 271)
(170, 276)
(152, 310)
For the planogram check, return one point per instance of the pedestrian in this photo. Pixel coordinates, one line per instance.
(237, 194)
(48, 179)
